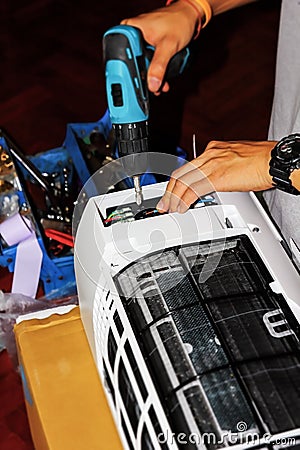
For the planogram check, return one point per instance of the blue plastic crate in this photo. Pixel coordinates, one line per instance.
(57, 273)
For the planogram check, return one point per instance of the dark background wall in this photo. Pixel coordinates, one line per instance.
(51, 72)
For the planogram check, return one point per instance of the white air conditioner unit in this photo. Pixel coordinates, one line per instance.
(193, 321)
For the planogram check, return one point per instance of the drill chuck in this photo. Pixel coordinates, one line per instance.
(132, 138)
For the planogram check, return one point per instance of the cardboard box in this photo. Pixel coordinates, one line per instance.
(65, 401)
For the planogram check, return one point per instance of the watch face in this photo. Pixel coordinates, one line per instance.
(285, 157)
(289, 152)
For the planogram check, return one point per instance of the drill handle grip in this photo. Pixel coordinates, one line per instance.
(177, 64)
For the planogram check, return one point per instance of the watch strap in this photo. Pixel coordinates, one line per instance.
(283, 162)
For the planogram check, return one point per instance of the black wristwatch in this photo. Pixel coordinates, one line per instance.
(285, 157)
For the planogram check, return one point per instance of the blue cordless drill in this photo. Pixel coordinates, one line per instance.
(127, 57)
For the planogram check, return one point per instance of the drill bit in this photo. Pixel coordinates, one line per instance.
(138, 190)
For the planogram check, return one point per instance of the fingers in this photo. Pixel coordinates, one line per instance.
(165, 87)
(182, 191)
(179, 196)
(164, 203)
(187, 189)
(193, 192)
(157, 69)
(165, 48)
(188, 183)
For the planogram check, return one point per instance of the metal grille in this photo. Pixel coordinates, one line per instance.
(198, 313)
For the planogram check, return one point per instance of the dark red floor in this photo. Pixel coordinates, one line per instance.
(51, 74)
(14, 429)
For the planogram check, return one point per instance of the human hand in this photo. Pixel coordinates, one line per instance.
(169, 30)
(223, 167)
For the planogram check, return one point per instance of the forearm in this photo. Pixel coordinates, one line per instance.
(295, 179)
(171, 28)
(220, 6)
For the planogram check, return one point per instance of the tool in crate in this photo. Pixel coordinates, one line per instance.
(35, 222)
